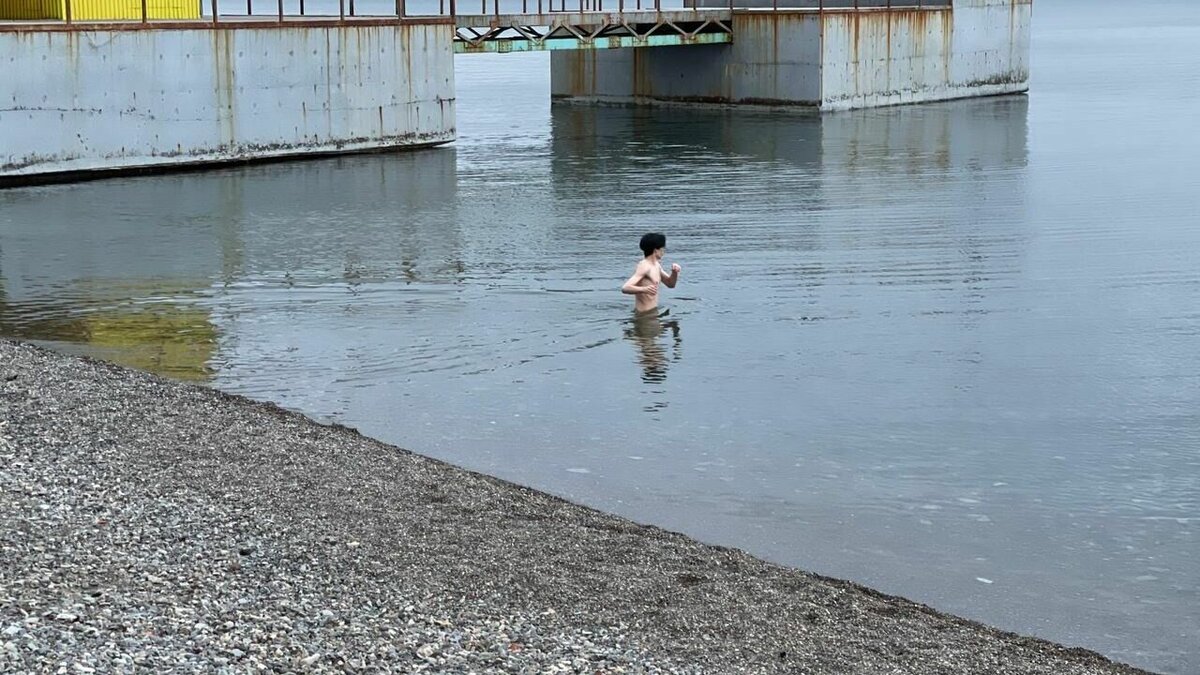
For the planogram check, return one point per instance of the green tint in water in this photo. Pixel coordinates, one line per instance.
(135, 327)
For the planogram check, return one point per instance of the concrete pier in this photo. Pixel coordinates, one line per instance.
(827, 60)
(95, 98)
(122, 97)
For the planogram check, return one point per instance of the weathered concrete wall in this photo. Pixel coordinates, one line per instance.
(638, 74)
(991, 44)
(977, 48)
(77, 101)
(776, 60)
(771, 61)
(831, 60)
(881, 58)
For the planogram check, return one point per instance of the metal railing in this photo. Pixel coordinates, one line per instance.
(404, 9)
(828, 5)
(218, 11)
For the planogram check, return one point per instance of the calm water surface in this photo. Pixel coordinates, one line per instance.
(948, 351)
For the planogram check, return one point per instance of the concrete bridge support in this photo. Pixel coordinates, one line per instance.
(117, 98)
(827, 60)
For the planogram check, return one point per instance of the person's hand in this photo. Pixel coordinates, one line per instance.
(651, 290)
(675, 268)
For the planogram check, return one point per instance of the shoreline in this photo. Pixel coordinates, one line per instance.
(146, 523)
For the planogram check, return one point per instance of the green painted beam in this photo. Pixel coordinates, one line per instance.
(505, 45)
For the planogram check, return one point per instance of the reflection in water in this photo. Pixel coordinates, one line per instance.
(645, 331)
(977, 134)
(148, 285)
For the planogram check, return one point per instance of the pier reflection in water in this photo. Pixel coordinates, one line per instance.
(98, 290)
(154, 283)
(927, 348)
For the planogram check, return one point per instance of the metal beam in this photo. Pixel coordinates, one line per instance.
(504, 46)
(607, 18)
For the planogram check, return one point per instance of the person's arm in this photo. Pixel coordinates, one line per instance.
(632, 285)
(671, 279)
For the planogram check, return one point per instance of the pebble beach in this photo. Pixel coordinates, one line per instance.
(153, 526)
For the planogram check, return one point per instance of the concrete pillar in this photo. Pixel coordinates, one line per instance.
(123, 99)
(831, 60)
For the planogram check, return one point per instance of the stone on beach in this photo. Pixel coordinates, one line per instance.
(147, 525)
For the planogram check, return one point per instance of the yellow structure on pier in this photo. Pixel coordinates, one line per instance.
(97, 10)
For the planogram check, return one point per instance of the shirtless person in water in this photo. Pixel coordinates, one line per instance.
(649, 272)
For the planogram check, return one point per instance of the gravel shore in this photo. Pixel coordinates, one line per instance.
(151, 526)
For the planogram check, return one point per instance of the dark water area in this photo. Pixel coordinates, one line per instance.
(948, 351)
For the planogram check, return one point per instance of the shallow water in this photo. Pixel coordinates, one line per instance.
(946, 350)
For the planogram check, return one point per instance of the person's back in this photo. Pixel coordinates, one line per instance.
(648, 274)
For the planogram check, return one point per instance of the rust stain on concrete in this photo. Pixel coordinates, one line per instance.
(947, 18)
(581, 63)
(224, 83)
(643, 84)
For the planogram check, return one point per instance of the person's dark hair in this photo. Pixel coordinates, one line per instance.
(652, 241)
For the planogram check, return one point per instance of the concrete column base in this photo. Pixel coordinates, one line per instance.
(131, 100)
(832, 60)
